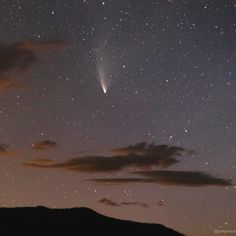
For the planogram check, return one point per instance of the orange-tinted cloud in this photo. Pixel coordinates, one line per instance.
(39, 162)
(9, 83)
(5, 151)
(44, 145)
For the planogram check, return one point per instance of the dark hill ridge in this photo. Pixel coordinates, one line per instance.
(76, 221)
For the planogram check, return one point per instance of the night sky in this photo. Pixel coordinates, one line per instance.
(124, 106)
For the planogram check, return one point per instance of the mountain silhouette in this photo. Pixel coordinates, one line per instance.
(75, 221)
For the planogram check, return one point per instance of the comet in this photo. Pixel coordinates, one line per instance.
(104, 82)
(104, 88)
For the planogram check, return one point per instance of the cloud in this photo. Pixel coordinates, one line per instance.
(4, 151)
(166, 154)
(167, 177)
(140, 204)
(140, 156)
(8, 83)
(18, 58)
(144, 148)
(39, 162)
(44, 145)
(109, 202)
(187, 178)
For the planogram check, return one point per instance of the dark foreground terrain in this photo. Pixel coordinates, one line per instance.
(75, 221)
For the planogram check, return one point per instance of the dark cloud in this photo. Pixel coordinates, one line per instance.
(18, 58)
(166, 154)
(44, 145)
(109, 202)
(5, 151)
(167, 177)
(140, 204)
(187, 178)
(144, 148)
(141, 156)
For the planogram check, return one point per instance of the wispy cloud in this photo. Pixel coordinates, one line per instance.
(39, 162)
(140, 204)
(5, 151)
(44, 145)
(8, 83)
(168, 177)
(109, 202)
